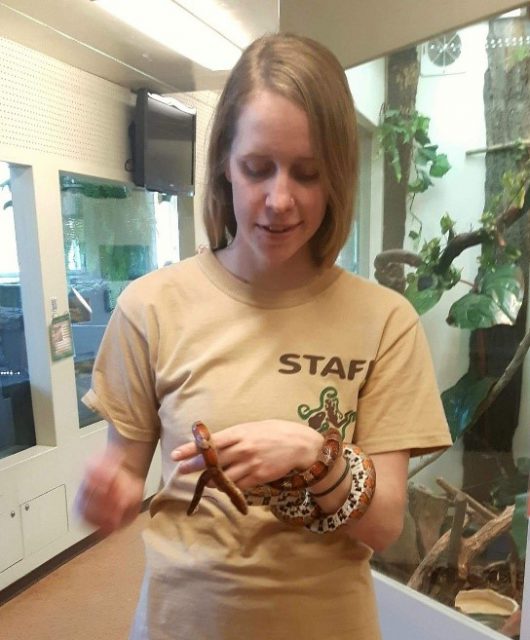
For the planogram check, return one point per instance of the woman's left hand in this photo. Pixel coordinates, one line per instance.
(254, 453)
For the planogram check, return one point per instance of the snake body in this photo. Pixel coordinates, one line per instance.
(213, 472)
(285, 496)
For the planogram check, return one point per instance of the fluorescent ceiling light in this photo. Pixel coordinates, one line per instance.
(168, 23)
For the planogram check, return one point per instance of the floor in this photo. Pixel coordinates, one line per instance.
(80, 600)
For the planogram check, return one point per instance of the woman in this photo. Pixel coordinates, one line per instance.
(262, 337)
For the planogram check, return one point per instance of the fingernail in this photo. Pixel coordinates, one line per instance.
(175, 455)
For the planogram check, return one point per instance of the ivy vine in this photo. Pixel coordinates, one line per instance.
(397, 129)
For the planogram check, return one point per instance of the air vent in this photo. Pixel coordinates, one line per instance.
(443, 56)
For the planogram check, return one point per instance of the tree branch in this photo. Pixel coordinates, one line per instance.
(388, 264)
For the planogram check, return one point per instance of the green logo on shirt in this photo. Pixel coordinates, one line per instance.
(327, 413)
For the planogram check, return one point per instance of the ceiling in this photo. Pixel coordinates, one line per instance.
(82, 34)
(79, 33)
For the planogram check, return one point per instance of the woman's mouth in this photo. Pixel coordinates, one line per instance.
(278, 228)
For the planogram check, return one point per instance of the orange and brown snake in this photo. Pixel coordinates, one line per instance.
(294, 482)
(213, 472)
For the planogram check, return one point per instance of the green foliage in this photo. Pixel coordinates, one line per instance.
(497, 299)
(520, 523)
(398, 129)
(461, 401)
(496, 296)
(427, 284)
(423, 299)
(92, 189)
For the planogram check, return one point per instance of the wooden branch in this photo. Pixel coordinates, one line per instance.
(509, 372)
(389, 267)
(455, 539)
(463, 241)
(475, 544)
(388, 262)
(429, 512)
(452, 491)
(427, 564)
(458, 245)
(469, 547)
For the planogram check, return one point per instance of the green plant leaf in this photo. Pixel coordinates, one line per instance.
(462, 400)
(426, 154)
(440, 166)
(446, 223)
(422, 127)
(421, 184)
(498, 301)
(520, 523)
(505, 286)
(7, 205)
(423, 300)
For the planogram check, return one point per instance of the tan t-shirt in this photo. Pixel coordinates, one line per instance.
(191, 342)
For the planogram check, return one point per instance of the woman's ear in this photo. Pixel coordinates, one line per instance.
(227, 172)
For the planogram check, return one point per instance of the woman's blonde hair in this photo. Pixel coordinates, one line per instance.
(307, 73)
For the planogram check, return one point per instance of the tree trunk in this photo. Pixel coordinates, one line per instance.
(403, 73)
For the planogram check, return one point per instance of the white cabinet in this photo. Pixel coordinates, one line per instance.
(11, 545)
(44, 519)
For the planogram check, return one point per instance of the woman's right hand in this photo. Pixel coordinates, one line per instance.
(110, 496)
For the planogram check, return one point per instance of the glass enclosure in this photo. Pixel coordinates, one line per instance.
(348, 257)
(113, 233)
(17, 428)
(455, 137)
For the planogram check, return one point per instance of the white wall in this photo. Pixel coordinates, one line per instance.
(367, 84)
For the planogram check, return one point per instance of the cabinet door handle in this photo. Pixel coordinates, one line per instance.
(13, 514)
(26, 507)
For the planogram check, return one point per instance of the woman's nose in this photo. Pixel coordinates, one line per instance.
(279, 195)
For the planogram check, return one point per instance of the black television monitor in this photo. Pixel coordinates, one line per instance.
(163, 144)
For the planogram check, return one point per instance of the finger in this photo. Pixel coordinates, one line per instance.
(239, 474)
(191, 465)
(221, 440)
(184, 452)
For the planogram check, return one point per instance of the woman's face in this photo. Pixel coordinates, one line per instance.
(279, 199)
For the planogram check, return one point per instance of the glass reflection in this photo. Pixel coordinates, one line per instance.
(456, 145)
(17, 428)
(113, 233)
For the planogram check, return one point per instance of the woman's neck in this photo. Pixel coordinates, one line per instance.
(291, 274)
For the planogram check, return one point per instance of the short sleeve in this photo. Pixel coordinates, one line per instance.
(399, 405)
(123, 385)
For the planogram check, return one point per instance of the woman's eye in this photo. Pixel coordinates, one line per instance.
(306, 176)
(256, 169)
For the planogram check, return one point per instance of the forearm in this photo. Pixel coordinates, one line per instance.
(136, 456)
(382, 523)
